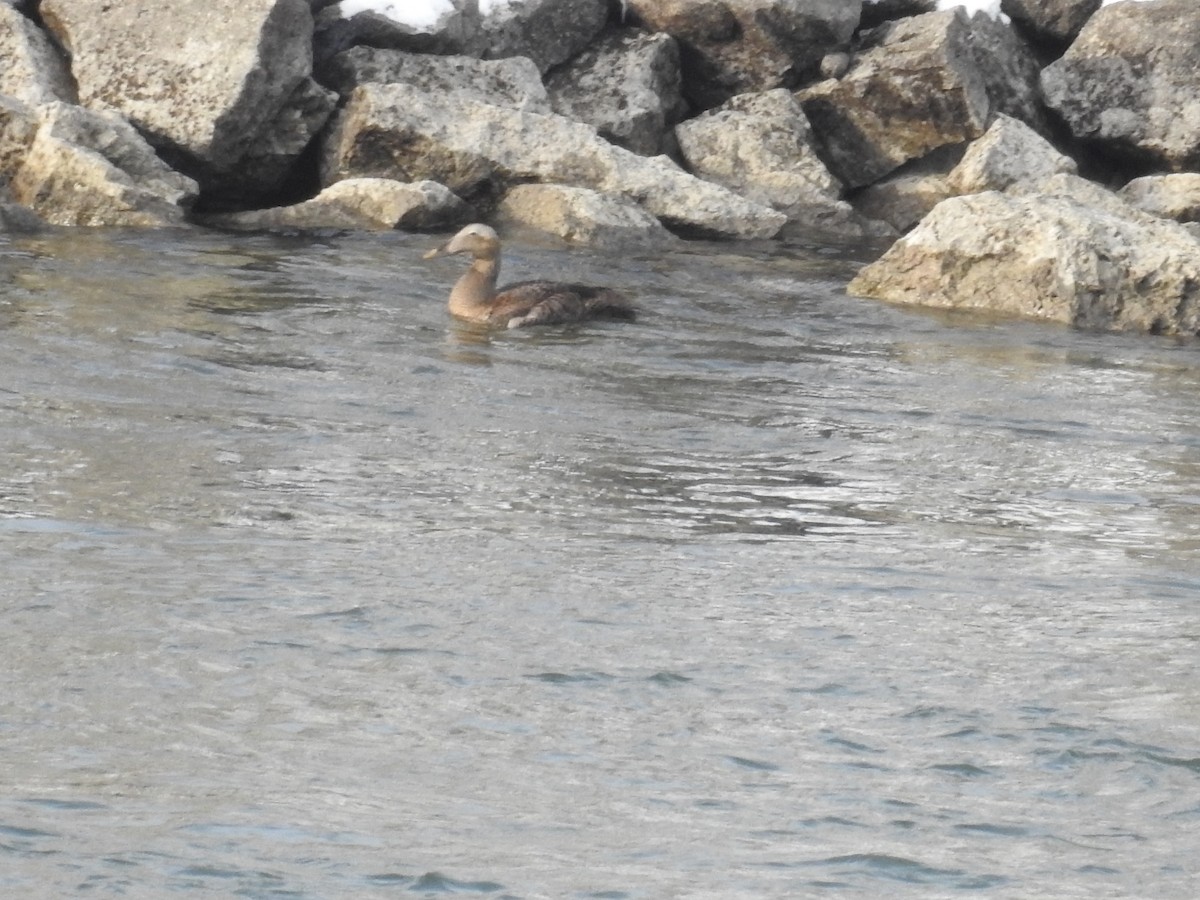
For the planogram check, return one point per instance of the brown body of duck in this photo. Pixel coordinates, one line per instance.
(475, 298)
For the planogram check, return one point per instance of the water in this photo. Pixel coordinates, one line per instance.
(309, 592)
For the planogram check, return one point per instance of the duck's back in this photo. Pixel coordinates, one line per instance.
(552, 302)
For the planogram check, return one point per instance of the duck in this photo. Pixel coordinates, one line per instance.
(474, 297)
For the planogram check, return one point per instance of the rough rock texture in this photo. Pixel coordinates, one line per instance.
(87, 167)
(1050, 257)
(1129, 82)
(627, 87)
(206, 81)
(582, 216)
(1010, 151)
(1166, 196)
(761, 146)
(547, 31)
(15, 218)
(918, 85)
(479, 149)
(364, 204)
(1052, 21)
(19, 124)
(513, 82)
(32, 69)
(906, 196)
(333, 33)
(733, 46)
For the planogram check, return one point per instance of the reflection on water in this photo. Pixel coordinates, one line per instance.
(311, 591)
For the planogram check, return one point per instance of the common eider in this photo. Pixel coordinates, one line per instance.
(475, 298)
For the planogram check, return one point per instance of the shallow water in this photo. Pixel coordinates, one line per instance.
(311, 593)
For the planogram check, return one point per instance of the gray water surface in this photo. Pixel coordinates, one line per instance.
(309, 592)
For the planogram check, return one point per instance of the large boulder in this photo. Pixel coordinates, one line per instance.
(1129, 83)
(1167, 196)
(761, 146)
(479, 150)
(19, 123)
(733, 46)
(1010, 151)
(89, 167)
(33, 69)
(359, 204)
(222, 88)
(582, 216)
(919, 84)
(627, 87)
(906, 196)
(1048, 256)
(547, 31)
(1053, 22)
(513, 82)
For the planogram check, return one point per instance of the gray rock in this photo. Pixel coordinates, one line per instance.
(876, 12)
(1009, 151)
(89, 167)
(33, 70)
(17, 219)
(513, 82)
(1045, 256)
(918, 84)
(547, 31)
(1053, 21)
(203, 81)
(1128, 83)
(835, 64)
(19, 124)
(906, 196)
(735, 46)
(360, 204)
(762, 147)
(627, 87)
(480, 150)
(1166, 196)
(582, 216)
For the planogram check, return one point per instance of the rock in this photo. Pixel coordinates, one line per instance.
(582, 216)
(627, 87)
(1010, 151)
(876, 12)
(1128, 83)
(334, 31)
(19, 124)
(734, 46)
(17, 219)
(1049, 257)
(210, 84)
(88, 167)
(513, 82)
(835, 65)
(906, 196)
(33, 70)
(363, 204)
(1166, 196)
(1010, 72)
(916, 85)
(480, 150)
(761, 147)
(547, 31)
(1051, 21)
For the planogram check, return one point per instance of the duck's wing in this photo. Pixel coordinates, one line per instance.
(552, 303)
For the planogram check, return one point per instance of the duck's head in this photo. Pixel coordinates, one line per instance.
(481, 241)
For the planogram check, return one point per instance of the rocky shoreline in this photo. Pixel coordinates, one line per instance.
(1045, 166)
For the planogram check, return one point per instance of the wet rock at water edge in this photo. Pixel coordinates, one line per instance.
(916, 85)
(1174, 196)
(513, 82)
(479, 150)
(626, 86)
(223, 88)
(33, 69)
(733, 46)
(86, 167)
(1128, 84)
(358, 204)
(1045, 256)
(583, 216)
